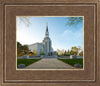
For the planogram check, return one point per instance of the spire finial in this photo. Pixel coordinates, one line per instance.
(47, 33)
(47, 27)
(47, 23)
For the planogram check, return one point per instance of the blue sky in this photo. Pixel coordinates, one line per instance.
(62, 35)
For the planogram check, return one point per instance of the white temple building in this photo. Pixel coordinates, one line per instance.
(44, 47)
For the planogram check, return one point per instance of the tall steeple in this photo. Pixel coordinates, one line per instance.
(47, 44)
(47, 33)
(47, 27)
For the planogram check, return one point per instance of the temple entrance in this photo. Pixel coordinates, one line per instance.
(50, 54)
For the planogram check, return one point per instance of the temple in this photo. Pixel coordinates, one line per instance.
(44, 47)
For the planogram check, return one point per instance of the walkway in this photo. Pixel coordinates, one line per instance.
(49, 63)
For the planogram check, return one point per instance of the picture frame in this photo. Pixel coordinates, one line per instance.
(9, 76)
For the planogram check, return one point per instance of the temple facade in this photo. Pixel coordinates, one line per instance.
(44, 47)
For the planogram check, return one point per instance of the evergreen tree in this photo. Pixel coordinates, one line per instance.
(65, 53)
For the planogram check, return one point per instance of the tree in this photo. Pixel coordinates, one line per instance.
(22, 49)
(74, 20)
(25, 20)
(74, 51)
(81, 53)
(79, 49)
(60, 52)
(19, 49)
(68, 52)
(18, 45)
(25, 49)
(65, 53)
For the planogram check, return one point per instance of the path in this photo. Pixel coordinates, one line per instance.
(49, 64)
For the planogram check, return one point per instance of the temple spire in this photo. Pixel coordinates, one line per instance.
(47, 33)
(47, 23)
(47, 27)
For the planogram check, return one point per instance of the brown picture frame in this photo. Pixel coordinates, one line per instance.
(9, 9)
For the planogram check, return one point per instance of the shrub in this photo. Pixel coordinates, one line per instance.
(42, 53)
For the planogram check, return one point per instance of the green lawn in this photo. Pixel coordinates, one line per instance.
(26, 61)
(72, 61)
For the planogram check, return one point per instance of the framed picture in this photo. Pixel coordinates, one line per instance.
(49, 43)
(63, 51)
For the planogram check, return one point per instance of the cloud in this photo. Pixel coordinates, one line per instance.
(73, 38)
(73, 34)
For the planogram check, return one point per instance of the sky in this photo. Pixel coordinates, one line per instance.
(62, 35)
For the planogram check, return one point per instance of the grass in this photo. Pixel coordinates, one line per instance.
(72, 61)
(26, 61)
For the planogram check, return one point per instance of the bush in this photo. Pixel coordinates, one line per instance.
(67, 54)
(42, 53)
(20, 54)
